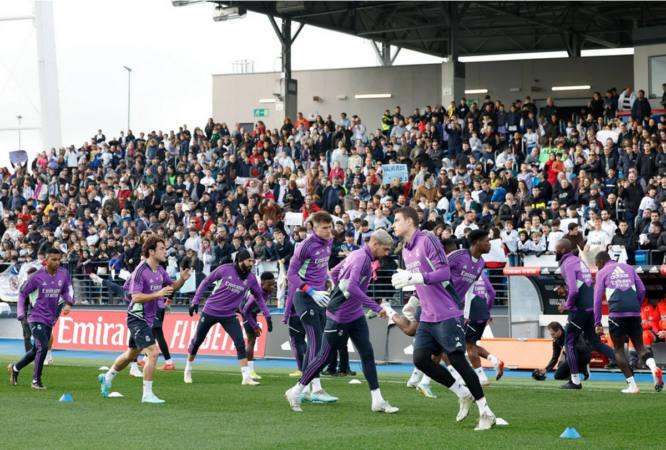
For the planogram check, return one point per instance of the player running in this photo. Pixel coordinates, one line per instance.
(624, 291)
(441, 326)
(580, 306)
(307, 296)
(232, 281)
(149, 282)
(345, 319)
(43, 290)
(250, 306)
(478, 298)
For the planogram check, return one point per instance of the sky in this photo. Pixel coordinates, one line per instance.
(173, 53)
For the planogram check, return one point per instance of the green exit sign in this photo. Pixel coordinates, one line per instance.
(261, 112)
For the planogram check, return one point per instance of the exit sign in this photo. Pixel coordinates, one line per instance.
(261, 112)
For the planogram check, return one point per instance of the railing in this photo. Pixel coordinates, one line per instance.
(380, 289)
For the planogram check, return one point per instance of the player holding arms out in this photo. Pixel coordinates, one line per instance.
(441, 326)
(44, 290)
(149, 282)
(624, 291)
(232, 281)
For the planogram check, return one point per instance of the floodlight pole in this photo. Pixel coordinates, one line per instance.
(129, 82)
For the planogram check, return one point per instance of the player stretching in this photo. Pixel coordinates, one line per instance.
(249, 312)
(441, 326)
(149, 282)
(478, 297)
(624, 291)
(345, 319)
(307, 294)
(232, 281)
(580, 306)
(43, 290)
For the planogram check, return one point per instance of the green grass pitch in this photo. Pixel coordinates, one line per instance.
(217, 412)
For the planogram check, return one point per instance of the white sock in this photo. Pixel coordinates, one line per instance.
(376, 396)
(482, 374)
(494, 361)
(246, 372)
(14, 368)
(483, 407)
(454, 372)
(575, 378)
(651, 364)
(307, 389)
(425, 380)
(316, 385)
(250, 364)
(415, 376)
(111, 374)
(169, 361)
(631, 382)
(188, 365)
(48, 355)
(134, 366)
(299, 388)
(460, 390)
(147, 388)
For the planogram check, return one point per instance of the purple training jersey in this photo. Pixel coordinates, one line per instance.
(229, 291)
(308, 266)
(578, 278)
(439, 300)
(623, 288)
(352, 277)
(480, 300)
(464, 270)
(145, 280)
(254, 305)
(44, 292)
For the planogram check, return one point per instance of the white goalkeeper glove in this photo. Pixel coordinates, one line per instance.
(321, 298)
(403, 278)
(410, 308)
(386, 306)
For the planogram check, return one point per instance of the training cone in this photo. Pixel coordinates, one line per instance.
(570, 433)
(66, 398)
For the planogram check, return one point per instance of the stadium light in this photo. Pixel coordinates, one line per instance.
(222, 14)
(476, 91)
(373, 96)
(571, 88)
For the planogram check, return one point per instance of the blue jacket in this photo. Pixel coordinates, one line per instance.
(115, 263)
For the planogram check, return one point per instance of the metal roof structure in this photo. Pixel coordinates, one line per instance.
(457, 28)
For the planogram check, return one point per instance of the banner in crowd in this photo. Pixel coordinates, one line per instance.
(18, 156)
(390, 171)
(107, 331)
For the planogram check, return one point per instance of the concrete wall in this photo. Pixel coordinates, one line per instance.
(642, 55)
(236, 96)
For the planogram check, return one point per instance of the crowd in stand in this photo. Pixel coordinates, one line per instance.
(513, 169)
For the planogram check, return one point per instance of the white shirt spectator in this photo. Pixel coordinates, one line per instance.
(208, 181)
(599, 239)
(510, 240)
(443, 205)
(460, 229)
(609, 227)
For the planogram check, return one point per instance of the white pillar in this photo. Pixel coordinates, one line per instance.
(48, 76)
